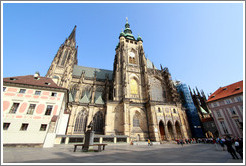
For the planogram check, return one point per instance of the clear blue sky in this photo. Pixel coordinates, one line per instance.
(200, 43)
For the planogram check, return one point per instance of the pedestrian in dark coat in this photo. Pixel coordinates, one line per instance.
(230, 149)
(239, 147)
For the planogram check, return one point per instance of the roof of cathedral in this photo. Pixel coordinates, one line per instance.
(31, 80)
(226, 91)
(90, 72)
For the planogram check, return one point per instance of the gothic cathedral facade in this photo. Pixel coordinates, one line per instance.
(135, 99)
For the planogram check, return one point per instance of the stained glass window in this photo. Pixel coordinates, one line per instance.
(81, 121)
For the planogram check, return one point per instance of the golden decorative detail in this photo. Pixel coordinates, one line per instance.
(134, 87)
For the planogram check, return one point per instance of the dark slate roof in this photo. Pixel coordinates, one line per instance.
(89, 72)
(30, 80)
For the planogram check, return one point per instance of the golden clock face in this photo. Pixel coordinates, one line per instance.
(132, 54)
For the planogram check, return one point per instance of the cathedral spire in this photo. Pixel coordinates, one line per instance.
(72, 35)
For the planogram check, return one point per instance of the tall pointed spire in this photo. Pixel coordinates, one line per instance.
(72, 35)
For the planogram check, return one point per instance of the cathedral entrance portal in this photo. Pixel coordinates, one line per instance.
(162, 132)
(170, 130)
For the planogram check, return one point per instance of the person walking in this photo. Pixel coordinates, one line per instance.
(228, 143)
(239, 148)
(222, 143)
(181, 142)
(148, 142)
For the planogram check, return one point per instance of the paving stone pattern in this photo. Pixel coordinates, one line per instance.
(124, 153)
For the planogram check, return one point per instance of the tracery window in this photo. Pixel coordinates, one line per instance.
(81, 121)
(74, 91)
(64, 57)
(136, 121)
(156, 89)
(134, 87)
(86, 91)
(98, 122)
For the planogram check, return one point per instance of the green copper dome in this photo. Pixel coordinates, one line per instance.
(139, 38)
(128, 31)
(122, 33)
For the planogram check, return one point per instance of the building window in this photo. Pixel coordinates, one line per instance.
(6, 126)
(43, 127)
(218, 113)
(132, 60)
(228, 101)
(48, 109)
(174, 111)
(159, 109)
(134, 87)
(31, 109)
(24, 127)
(224, 127)
(37, 92)
(14, 108)
(136, 121)
(98, 121)
(239, 99)
(53, 94)
(215, 104)
(237, 123)
(81, 121)
(4, 88)
(232, 111)
(22, 91)
(64, 57)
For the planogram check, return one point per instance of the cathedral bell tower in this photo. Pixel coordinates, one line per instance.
(129, 68)
(62, 65)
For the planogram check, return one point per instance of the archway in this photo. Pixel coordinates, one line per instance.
(170, 130)
(178, 130)
(162, 132)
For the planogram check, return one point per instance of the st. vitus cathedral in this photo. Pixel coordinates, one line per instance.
(135, 99)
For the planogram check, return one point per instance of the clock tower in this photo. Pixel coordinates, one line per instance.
(130, 68)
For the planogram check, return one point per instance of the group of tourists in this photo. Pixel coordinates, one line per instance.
(229, 142)
(224, 142)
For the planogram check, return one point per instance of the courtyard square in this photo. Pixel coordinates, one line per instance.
(120, 153)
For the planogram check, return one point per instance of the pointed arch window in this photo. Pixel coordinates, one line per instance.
(98, 122)
(81, 121)
(134, 87)
(74, 91)
(136, 121)
(64, 57)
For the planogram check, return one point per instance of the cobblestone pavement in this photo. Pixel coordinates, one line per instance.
(124, 153)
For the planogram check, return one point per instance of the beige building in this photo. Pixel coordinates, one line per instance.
(135, 100)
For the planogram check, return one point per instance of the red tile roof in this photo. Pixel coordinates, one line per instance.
(30, 80)
(226, 91)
